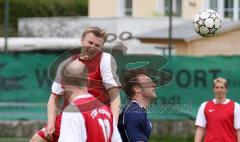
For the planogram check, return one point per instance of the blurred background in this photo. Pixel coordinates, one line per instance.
(156, 33)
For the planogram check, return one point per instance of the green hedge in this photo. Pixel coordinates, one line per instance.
(40, 8)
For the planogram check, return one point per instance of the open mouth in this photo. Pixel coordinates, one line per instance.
(90, 51)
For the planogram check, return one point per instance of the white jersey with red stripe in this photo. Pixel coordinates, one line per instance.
(87, 122)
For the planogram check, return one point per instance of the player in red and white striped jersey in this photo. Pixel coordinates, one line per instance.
(218, 120)
(86, 119)
(93, 125)
(104, 83)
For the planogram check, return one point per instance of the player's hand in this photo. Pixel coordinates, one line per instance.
(48, 132)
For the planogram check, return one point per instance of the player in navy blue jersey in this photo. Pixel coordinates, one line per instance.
(133, 122)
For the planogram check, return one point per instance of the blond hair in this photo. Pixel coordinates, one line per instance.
(96, 31)
(220, 79)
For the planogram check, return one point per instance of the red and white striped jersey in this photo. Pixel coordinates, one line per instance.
(88, 122)
(101, 75)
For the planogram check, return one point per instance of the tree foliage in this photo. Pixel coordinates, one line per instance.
(40, 8)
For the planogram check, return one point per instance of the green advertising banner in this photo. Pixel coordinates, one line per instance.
(24, 86)
(191, 85)
(183, 83)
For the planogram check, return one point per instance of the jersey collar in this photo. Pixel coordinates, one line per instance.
(133, 101)
(225, 102)
(83, 96)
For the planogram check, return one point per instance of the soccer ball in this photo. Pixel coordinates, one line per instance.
(207, 22)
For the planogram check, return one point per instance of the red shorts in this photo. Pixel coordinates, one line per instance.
(57, 130)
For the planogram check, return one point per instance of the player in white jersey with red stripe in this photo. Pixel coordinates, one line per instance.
(218, 120)
(86, 119)
(104, 84)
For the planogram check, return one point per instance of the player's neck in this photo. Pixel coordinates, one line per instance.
(141, 101)
(220, 100)
(76, 92)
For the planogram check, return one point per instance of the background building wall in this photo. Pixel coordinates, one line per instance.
(102, 8)
(144, 8)
(191, 7)
(141, 8)
(74, 26)
(180, 48)
(225, 44)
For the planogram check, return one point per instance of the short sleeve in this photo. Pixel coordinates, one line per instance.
(201, 119)
(108, 68)
(57, 88)
(237, 116)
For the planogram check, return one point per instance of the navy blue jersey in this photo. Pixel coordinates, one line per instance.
(133, 123)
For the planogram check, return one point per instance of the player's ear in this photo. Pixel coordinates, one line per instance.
(137, 89)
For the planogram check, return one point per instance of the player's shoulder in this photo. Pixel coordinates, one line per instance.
(135, 114)
(134, 108)
(236, 104)
(209, 102)
(107, 58)
(106, 55)
(203, 105)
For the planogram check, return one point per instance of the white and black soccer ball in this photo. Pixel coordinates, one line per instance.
(207, 22)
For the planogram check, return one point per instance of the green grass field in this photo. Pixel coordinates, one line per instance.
(153, 139)
(13, 140)
(169, 139)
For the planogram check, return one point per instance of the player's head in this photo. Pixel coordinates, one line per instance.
(137, 82)
(220, 79)
(93, 36)
(92, 42)
(74, 75)
(220, 86)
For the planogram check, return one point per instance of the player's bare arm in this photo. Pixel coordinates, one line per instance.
(199, 134)
(238, 135)
(53, 104)
(115, 102)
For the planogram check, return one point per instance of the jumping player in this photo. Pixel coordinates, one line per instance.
(101, 69)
